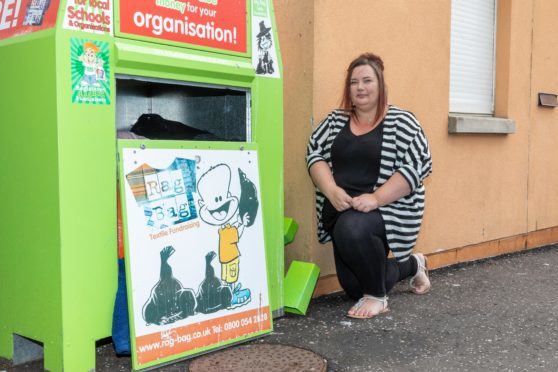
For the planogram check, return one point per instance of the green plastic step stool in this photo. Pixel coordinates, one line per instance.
(291, 227)
(299, 285)
(301, 277)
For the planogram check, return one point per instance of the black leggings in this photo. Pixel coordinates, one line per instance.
(360, 250)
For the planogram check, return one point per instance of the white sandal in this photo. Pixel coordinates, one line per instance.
(420, 283)
(361, 302)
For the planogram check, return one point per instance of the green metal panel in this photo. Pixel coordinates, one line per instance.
(87, 182)
(267, 117)
(167, 62)
(30, 259)
(268, 133)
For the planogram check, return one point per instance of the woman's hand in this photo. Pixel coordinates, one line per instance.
(365, 203)
(340, 200)
(323, 179)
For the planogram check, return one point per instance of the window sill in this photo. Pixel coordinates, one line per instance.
(463, 124)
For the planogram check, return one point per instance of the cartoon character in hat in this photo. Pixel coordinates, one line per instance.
(218, 207)
(92, 65)
(265, 60)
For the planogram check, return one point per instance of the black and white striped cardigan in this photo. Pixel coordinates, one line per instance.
(404, 150)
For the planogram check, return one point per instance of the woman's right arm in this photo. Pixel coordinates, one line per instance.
(323, 179)
(318, 167)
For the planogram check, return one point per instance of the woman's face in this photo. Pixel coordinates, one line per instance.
(364, 88)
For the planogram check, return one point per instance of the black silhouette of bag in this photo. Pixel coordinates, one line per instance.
(212, 295)
(169, 300)
(248, 202)
(154, 126)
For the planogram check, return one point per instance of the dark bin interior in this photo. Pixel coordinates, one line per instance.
(157, 109)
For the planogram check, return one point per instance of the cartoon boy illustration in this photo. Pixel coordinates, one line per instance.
(265, 60)
(218, 207)
(92, 65)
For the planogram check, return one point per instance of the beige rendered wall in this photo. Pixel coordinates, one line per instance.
(484, 187)
(295, 22)
(543, 147)
(479, 190)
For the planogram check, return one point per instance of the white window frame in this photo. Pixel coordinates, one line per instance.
(462, 97)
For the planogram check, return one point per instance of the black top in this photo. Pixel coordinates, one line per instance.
(356, 165)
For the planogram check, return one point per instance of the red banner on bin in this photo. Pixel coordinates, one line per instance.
(219, 24)
(18, 17)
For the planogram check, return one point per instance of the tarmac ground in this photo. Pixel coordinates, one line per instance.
(497, 314)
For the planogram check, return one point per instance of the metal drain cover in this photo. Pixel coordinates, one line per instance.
(260, 357)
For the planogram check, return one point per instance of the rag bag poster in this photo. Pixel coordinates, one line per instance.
(195, 250)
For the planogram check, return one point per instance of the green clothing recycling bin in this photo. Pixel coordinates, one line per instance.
(77, 75)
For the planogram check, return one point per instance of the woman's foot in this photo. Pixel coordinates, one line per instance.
(368, 307)
(420, 283)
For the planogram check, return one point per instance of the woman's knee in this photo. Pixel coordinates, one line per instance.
(349, 228)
